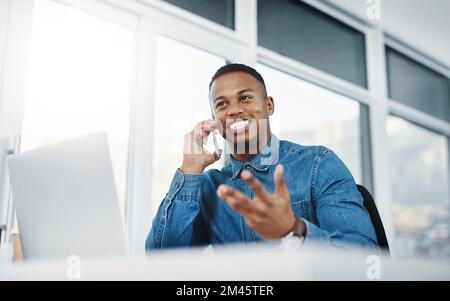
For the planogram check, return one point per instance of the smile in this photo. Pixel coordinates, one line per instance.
(239, 125)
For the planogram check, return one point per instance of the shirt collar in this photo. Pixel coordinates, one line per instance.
(262, 161)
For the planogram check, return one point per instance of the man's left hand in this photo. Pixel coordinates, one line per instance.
(269, 214)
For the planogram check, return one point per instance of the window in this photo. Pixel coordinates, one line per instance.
(305, 34)
(219, 11)
(182, 77)
(419, 167)
(417, 86)
(79, 82)
(311, 115)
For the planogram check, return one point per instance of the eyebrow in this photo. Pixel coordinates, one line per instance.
(238, 93)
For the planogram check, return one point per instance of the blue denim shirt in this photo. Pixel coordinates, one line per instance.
(322, 189)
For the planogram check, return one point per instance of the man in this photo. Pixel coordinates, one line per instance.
(295, 191)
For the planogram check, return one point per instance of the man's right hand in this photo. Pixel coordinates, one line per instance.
(196, 158)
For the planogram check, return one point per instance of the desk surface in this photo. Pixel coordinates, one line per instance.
(257, 262)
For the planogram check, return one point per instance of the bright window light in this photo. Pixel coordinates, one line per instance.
(182, 77)
(419, 178)
(79, 82)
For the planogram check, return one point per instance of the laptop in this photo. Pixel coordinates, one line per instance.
(65, 200)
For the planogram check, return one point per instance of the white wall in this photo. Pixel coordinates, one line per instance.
(424, 25)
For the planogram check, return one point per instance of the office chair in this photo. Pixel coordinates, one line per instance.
(370, 206)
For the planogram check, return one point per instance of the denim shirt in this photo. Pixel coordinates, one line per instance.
(322, 189)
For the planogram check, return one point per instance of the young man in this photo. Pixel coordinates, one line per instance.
(268, 190)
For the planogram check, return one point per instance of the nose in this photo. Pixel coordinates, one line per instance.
(234, 110)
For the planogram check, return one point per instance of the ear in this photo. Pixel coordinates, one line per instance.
(270, 105)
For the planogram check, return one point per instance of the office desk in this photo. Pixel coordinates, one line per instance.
(257, 262)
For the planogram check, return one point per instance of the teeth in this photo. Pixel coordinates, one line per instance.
(239, 124)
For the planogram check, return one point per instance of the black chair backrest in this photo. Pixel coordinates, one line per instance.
(370, 206)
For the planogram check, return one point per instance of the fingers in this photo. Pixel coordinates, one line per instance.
(212, 157)
(236, 200)
(252, 220)
(256, 186)
(194, 140)
(187, 146)
(202, 130)
(280, 184)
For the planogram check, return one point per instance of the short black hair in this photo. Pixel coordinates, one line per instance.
(238, 68)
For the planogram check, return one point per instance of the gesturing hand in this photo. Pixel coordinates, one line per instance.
(270, 215)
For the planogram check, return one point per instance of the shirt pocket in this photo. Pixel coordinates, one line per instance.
(302, 209)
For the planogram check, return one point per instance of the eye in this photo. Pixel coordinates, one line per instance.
(220, 104)
(245, 97)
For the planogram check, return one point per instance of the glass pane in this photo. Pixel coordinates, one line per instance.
(420, 182)
(310, 115)
(301, 32)
(181, 101)
(417, 86)
(79, 82)
(219, 11)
